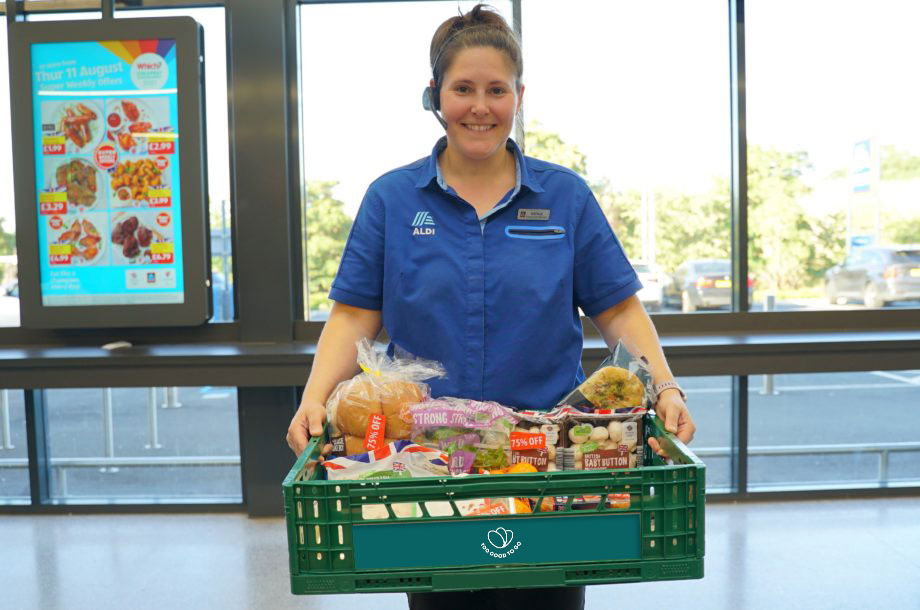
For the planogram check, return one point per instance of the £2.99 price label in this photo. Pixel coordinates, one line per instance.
(157, 146)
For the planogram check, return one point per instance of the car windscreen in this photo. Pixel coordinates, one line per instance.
(906, 256)
(640, 268)
(712, 268)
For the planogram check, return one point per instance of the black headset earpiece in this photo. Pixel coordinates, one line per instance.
(432, 103)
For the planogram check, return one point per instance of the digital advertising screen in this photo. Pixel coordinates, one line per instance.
(108, 170)
(116, 141)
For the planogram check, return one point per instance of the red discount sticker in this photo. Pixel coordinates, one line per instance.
(373, 438)
(163, 219)
(55, 222)
(522, 441)
(161, 162)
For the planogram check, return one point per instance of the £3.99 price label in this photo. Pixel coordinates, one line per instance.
(52, 203)
(161, 253)
(159, 198)
(522, 441)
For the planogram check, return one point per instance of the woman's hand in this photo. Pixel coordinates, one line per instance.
(306, 423)
(672, 410)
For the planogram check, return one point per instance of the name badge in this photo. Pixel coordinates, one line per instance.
(524, 214)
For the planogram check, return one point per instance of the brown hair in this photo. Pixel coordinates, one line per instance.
(481, 27)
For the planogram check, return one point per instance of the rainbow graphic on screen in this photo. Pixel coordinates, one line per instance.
(129, 50)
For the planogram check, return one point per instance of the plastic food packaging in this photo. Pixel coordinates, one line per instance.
(372, 408)
(536, 439)
(397, 460)
(474, 434)
(621, 381)
(603, 439)
(400, 459)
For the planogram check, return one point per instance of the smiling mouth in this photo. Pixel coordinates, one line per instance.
(478, 128)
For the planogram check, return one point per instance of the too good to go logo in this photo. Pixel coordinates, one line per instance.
(501, 539)
(423, 224)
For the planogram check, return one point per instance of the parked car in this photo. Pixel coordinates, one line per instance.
(653, 281)
(9, 304)
(700, 284)
(877, 275)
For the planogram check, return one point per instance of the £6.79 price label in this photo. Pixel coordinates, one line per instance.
(161, 253)
(522, 441)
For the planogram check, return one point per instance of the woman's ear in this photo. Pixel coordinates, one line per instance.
(520, 99)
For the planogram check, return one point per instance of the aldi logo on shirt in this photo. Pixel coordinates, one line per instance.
(423, 224)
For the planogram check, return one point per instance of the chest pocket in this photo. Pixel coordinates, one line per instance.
(526, 232)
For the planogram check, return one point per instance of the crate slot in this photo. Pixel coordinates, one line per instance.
(316, 509)
(316, 532)
(341, 535)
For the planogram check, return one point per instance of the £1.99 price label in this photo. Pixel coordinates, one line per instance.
(53, 145)
(522, 441)
(161, 253)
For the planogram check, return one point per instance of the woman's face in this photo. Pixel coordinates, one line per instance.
(479, 102)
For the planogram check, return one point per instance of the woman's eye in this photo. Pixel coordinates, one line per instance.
(497, 91)
(463, 89)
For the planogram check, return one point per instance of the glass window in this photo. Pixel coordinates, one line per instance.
(9, 302)
(14, 460)
(709, 399)
(833, 152)
(361, 115)
(639, 106)
(144, 445)
(834, 430)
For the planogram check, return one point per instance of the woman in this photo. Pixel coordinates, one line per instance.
(480, 258)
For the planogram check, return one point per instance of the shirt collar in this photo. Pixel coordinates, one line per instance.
(431, 171)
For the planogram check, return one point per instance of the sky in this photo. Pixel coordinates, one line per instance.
(641, 88)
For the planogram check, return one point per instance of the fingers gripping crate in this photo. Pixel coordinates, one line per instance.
(408, 535)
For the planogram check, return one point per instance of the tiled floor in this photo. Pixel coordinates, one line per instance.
(832, 554)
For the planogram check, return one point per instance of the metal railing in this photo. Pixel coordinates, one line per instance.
(884, 451)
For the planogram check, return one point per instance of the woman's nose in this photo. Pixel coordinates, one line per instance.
(480, 105)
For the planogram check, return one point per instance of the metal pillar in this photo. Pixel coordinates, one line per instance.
(171, 398)
(768, 389)
(152, 428)
(108, 429)
(7, 442)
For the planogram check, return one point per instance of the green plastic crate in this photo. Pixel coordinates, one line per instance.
(333, 549)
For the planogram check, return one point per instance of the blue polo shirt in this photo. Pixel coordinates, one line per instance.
(494, 299)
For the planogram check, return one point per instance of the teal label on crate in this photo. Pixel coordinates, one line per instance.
(556, 539)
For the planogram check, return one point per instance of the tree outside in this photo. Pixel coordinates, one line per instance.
(327, 228)
(790, 246)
